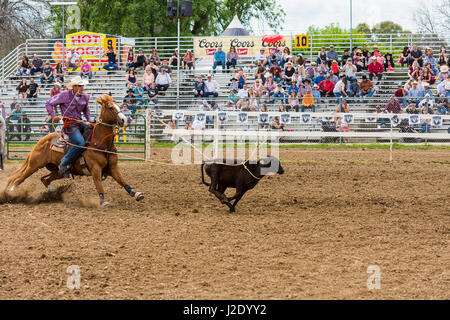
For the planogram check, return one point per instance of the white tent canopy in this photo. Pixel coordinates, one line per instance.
(235, 29)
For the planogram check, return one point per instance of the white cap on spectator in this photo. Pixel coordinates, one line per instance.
(425, 84)
(427, 95)
(208, 76)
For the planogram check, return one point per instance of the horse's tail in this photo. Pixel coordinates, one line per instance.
(19, 171)
(203, 176)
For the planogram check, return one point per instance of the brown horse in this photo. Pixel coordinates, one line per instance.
(98, 164)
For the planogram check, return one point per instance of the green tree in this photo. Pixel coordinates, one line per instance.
(387, 27)
(362, 28)
(147, 18)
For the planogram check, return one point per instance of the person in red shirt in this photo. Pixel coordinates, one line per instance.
(276, 72)
(326, 87)
(375, 70)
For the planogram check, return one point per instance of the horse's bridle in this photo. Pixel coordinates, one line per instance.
(100, 122)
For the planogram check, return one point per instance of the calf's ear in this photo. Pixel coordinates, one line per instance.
(265, 163)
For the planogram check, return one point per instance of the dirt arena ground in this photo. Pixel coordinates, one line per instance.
(309, 234)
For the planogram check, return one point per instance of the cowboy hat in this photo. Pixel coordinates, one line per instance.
(444, 68)
(77, 81)
(425, 84)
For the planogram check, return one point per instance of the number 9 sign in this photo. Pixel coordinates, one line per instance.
(301, 41)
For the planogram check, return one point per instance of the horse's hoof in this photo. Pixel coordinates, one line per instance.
(51, 189)
(139, 196)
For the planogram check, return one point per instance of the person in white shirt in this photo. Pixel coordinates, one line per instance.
(163, 80)
(339, 89)
(73, 59)
(349, 69)
(261, 56)
(211, 88)
(243, 96)
(427, 103)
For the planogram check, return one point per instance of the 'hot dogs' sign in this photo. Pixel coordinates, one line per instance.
(246, 46)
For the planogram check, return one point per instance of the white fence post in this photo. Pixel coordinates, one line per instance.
(148, 136)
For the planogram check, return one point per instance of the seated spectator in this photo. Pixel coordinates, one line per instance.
(73, 60)
(389, 64)
(442, 105)
(442, 59)
(332, 56)
(188, 60)
(47, 75)
(335, 68)
(59, 72)
(301, 70)
(86, 70)
(349, 70)
(140, 61)
(112, 60)
(308, 101)
(148, 77)
(343, 107)
(131, 78)
(353, 90)
(312, 71)
(261, 73)
(343, 59)
(232, 58)
(138, 94)
(219, 59)
(55, 90)
(155, 57)
(366, 87)
(252, 104)
(426, 107)
(155, 68)
(25, 66)
(326, 87)
(153, 93)
(415, 94)
(276, 72)
(131, 58)
(275, 57)
(416, 55)
(269, 87)
(334, 78)
(427, 102)
(296, 78)
(241, 78)
(304, 87)
(243, 96)
(211, 88)
(278, 93)
(288, 74)
(359, 60)
(286, 56)
(431, 61)
(415, 71)
(129, 101)
(199, 87)
(234, 85)
(276, 125)
(36, 65)
(33, 90)
(444, 74)
(293, 103)
(173, 61)
(321, 57)
(232, 99)
(281, 108)
(293, 88)
(405, 57)
(375, 69)
(163, 81)
(428, 74)
(426, 89)
(316, 94)
(323, 68)
(258, 88)
(261, 57)
(340, 89)
(321, 77)
(393, 106)
(400, 94)
(22, 88)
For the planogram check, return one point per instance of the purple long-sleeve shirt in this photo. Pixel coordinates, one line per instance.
(70, 107)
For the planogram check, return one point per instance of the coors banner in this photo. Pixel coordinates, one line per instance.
(246, 46)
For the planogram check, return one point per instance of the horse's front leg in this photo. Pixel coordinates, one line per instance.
(115, 173)
(97, 177)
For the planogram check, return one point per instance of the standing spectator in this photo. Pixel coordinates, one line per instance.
(36, 65)
(308, 102)
(163, 81)
(24, 66)
(349, 70)
(366, 87)
(33, 90)
(241, 78)
(211, 88)
(131, 58)
(188, 60)
(141, 60)
(86, 70)
(199, 87)
(219, 59)
(261, 57)
(400, 94)
(332, 55)
(153, 93)
(59, 72)
(416, 55)
(232, 58)
(405, 56)
(173, 61)
(375, 69)
(326, 87)
(321, 56)
(112, 60)
(339, 89)
(148, 77)
(131, 78)
(55, 90)
(73, 60)
(22, 88)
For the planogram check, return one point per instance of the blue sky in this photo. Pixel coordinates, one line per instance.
(301, 14)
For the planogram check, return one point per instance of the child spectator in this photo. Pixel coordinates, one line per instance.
(232, 99)
(188, 60)
(148, 78)
(199, 87)
(234, 85)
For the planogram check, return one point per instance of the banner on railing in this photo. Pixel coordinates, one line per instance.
(246, 46)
